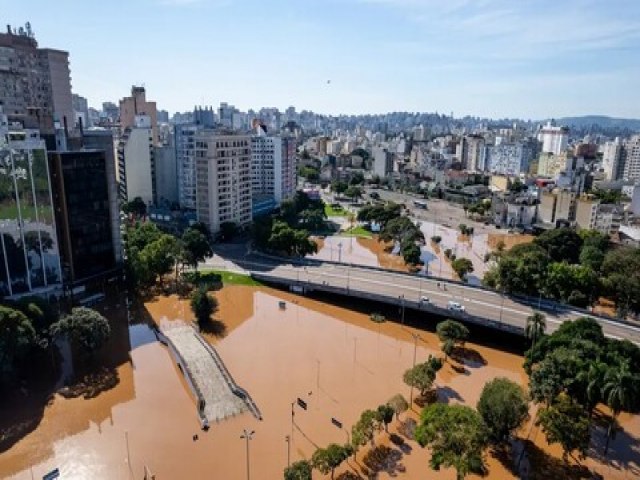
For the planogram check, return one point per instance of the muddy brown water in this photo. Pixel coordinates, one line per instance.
(335, 359)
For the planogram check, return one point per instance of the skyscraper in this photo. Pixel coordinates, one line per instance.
(223, 174)
(554, 139)
(35, 84)
(29, 255)
(631, 156)
(81, 111)
(612, 159)
(273, 172)
(81, 181)
(185, 146)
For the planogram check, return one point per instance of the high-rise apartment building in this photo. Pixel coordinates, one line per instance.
(136, 105)
(225, 114)
(185, 146)
(475, 153)
(273, 171)
(612, 159)
(509, 158)
(631, 158)
(35, 84)
(204, 116)
(81, 182)
(136, 165)
(554, 139)
(110, 111)
(223, 174)
(29, 252)
(166, 171)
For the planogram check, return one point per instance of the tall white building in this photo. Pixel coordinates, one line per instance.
(223, 179)
(554, 139)
(631, 156)
(612, 161)
(136, 167)
(476, 154)
(273, 170)
(185, 145)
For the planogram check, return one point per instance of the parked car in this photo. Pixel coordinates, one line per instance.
(455, 306)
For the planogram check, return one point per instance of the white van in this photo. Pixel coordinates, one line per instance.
(455, 306)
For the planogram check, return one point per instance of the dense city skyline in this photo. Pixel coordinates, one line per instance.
(490, 59)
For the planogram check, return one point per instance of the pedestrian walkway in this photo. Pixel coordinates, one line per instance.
(218, 395)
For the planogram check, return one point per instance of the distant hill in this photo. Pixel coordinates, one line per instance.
(600, 122)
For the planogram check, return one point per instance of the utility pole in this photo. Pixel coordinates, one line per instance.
(247, 436)
(415, 351)
(288, 440)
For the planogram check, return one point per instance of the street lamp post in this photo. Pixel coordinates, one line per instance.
(502, 305)
(288, 440)
(247, 436)
(415, 351)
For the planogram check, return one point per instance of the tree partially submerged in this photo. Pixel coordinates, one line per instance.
(85, 328)
(203, 306)
(503, 408)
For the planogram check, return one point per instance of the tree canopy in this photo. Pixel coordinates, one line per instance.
(326, 460)
(85, 327)
(300, 470)
(567, 423)
(462, 266)
(17, 336)
(203, 306)
(456, 436)
(423, 375)
(503, 408)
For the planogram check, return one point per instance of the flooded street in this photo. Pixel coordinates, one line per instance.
(336, 360)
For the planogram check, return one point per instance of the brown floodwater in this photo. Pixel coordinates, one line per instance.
(335, 359)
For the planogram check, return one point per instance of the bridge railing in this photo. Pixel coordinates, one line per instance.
(235, 388)
(545, 304)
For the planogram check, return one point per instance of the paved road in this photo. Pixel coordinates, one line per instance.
(398, 288)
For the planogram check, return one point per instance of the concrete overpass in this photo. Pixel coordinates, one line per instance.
(482, 306)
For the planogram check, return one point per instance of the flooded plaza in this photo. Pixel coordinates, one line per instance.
(336, 359)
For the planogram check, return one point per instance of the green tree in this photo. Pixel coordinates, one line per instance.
(300, 470)
(357, 178)
(312, 219)
(503, 408)
(536, 326)
(195, 247)
(463, 228)
(620, 392)
(562, 244)
(399, 404)
(456, 436)
(591, 257)
(364, 429)
(621, 278)
(385, 415)
(85, 327)
(353, 192)
(563, 280)
(452, 330)
(326, 460)
(567, 423)
(141, 235)
(160, 255)
(339, 187)
(448, 347)
(203, 306)
(522, 269)
(290, 241)
(136, 207)
(17, 336)
(436, 239)
(462, 266)
(423, 375)
(410, 253)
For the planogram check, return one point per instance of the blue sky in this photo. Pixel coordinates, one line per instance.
(497, 58)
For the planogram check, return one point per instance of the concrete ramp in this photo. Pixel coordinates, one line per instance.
(218, 395)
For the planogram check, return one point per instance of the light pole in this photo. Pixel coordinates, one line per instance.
(502, 305)
(340, 252)
(402, 306)
(288, 440)
(247, 436)
(415, 351)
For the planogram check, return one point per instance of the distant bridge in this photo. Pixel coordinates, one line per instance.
(482, 306)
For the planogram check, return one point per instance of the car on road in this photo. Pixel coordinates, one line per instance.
(375, 195)
(424, 299)
(455, 306)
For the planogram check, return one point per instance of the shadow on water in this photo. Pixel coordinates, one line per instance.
(23, 404)
(544, 466)
(215, 328)
(446, 394)
(480, 335)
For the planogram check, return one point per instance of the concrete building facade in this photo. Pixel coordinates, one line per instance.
(631, 158)
(223, 177)
(273, 172)
(136, 165)
(185, 146)
(554, 139)
(137, 105)
(509, 158)
(612, 160)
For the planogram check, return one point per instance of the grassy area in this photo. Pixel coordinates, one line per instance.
(334, 212)
(358, 232)
(232, 278)
(215, 277)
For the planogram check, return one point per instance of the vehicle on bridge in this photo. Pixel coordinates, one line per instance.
(424, 299)
(455, 306)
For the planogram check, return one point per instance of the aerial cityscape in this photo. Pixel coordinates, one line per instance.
(424, 262)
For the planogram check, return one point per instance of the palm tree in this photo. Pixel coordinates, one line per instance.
(536, 325)
(618, 392)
